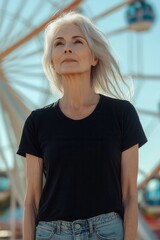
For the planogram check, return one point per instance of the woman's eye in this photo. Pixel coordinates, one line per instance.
(78, 41)
(58, 43)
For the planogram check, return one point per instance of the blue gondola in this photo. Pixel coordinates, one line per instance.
(152, 192)
(140, 11)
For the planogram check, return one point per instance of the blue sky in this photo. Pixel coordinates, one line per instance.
(135, 52)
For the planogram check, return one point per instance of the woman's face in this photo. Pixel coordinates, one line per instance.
(71, 53)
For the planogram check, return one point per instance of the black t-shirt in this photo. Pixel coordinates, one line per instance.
(82, 158)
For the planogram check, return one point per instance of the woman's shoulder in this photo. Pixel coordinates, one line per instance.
(43, 111)
(116, 102)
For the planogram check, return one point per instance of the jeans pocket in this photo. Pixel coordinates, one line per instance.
(44, 231)
(104, 237)
(110, 231)
(105, 232)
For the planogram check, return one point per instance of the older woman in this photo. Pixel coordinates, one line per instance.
(86, 143)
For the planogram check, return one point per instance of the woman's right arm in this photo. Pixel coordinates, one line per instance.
(34, 183)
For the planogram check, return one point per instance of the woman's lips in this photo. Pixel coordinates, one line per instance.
(69, 60)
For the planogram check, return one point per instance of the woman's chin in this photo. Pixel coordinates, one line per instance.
(69, 72)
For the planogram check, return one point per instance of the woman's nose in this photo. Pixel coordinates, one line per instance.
(67, 49)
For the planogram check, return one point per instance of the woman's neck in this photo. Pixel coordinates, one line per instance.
(77, 93)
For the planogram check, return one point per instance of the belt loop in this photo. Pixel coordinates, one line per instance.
(58, 227)
(90, 227)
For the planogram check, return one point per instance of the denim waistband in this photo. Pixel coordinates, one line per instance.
(83, 224)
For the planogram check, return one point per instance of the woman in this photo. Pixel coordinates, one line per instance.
(86, 143)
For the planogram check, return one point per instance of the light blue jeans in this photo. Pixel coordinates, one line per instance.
(102, 227)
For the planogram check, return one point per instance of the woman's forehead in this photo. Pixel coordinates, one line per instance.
(68, 29)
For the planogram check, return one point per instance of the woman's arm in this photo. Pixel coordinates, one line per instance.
(34, 180)
(129, 171)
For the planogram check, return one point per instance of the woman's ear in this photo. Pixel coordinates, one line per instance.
(95, 61)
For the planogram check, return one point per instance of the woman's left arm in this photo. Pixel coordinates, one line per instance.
(129, 172)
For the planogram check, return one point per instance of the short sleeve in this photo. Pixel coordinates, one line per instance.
(132, 130)
(29, 139)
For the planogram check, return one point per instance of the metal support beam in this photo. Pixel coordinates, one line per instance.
(117, 7)
(37, 30)
(15, 108)
(155, 172)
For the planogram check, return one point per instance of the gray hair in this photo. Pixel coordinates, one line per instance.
(106, 77)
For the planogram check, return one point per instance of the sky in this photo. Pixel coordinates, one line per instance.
(135, 53)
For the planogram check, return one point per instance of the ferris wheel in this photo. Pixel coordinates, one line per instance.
(23, 86)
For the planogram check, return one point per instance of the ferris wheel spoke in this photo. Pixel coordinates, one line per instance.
(16, 15)
(15, 68)
(13, 38)
(57, 5)
(36, 30)
(149, 176)
(2, 16)
(27, 47)
(32, 53)
(152, 126)
(28, 74)
(37, 8)
(20, 33)
(7, 37)
(106, 13)
(146, 76)
(40, 88)
(13, 57)
(14, 105)
(22, 65)
(27, 100)
(29, 86)
(117, 31)
(10, 101)
(22, 54)
(148, 112)
(26, 66)
(20, 69)
(16, 62)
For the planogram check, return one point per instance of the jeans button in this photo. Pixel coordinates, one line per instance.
(77, 226)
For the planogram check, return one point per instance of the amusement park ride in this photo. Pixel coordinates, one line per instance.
(17, 65)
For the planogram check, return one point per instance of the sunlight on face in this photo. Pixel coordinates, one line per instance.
(71, 53)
